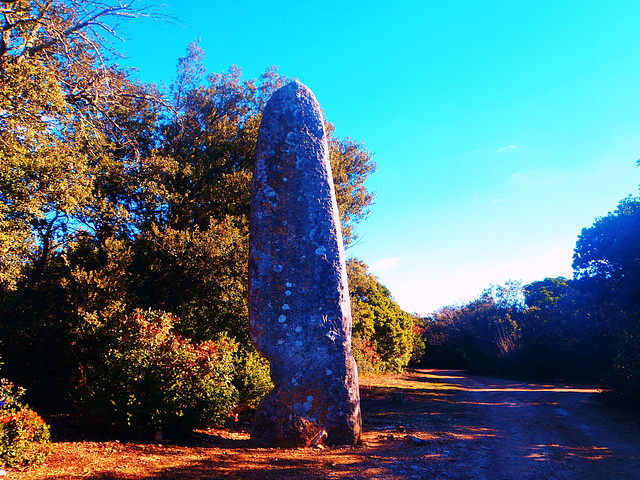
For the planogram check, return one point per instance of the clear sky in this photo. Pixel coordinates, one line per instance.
(500, 128)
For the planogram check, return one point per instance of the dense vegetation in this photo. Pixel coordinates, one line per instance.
(586, 328)
(124, 235)
(124, 228)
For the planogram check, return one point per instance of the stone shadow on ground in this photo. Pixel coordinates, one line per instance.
(429, 424)
(405, 426)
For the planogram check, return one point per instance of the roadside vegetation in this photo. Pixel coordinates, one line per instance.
(583, 329)
(124, 230)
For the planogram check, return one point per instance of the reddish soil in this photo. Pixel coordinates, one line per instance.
(423, 424)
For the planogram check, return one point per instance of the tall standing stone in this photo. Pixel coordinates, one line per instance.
(299, 310)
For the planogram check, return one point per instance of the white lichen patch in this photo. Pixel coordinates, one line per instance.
(282, 318)
(292, 139)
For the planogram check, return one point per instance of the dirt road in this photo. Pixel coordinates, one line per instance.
(515, 430)
(423, 424)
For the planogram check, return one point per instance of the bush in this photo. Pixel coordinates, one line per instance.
(24, 436)
(624, 378)
(152, 380)
(384, 336)
(252, 379)
(366, 357)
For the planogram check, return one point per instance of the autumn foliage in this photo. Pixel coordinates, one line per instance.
(24, 435)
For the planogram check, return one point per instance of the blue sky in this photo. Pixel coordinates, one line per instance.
(500, 128)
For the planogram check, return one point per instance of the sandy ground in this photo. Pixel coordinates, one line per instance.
(422, 424)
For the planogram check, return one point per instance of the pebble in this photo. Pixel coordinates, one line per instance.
(415, 441)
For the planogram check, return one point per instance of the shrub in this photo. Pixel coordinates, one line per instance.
(24, 436)
(152, 380)
(384, 336)
(252, 379)
(366, 357)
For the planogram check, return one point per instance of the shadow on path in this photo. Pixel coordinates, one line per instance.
(422, 424)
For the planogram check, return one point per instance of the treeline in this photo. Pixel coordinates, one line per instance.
(124, 229)
(581, 329)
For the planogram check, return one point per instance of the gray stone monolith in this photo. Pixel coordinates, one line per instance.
(299, 309)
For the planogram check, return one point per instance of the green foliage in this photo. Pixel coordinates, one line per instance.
(24, 436)
(585, 329)
(252, 377)
(43, 177)
(71, 127)
(351, 165)
(562, 336)
(199, 274)
(152, 380)
(481, 335)
(555, 334)
(384, 336)
(607, 267)
(115, 198)
(609, 249)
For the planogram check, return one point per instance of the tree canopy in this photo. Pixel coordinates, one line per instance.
(586, 328)
(121, 203)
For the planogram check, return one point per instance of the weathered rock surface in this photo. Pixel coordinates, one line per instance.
(299, 309)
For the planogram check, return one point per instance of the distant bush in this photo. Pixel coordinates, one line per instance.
(366, 357)
(24, 436)
(385, 338)
(482, 335)
(152, 380)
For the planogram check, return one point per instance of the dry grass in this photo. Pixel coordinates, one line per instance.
(396, 433)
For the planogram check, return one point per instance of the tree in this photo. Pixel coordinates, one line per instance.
(384, 335)
(606, 265)
(609, 251)
(351, 165)
(61, 115)
(559, 336)
(481, 335)
(73, 129)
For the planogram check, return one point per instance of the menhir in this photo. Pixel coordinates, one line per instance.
(299, 310)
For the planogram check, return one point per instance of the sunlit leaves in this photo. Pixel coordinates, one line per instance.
(351, 165)
(383, 332)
